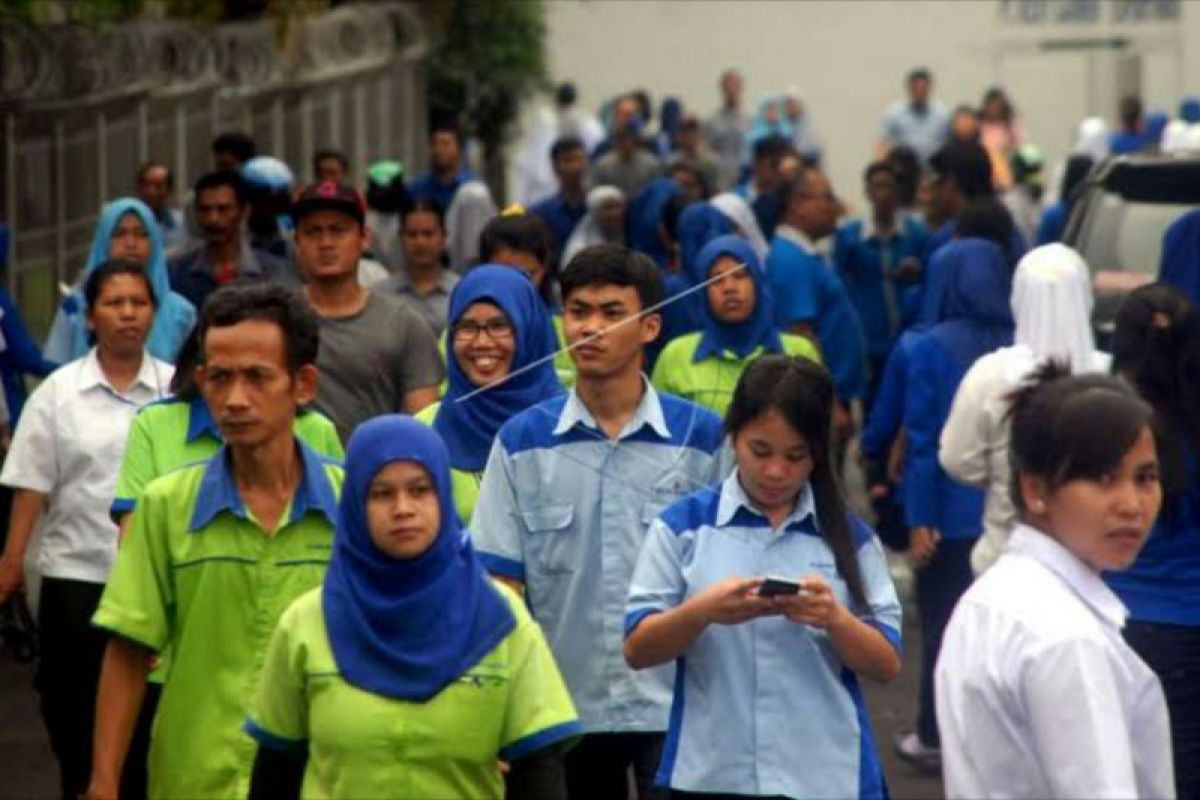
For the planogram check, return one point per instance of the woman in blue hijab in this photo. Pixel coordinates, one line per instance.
(945, 518)
(408, 673)
(499, 345)
(739, 326)
(126, 229)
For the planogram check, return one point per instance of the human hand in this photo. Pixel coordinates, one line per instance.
(12, 577)
(733, 601)
(815, 605)
(922, 544)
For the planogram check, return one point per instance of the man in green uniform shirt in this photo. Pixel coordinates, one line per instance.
(216, 551)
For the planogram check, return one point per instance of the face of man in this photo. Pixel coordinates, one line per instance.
(625, 111)
(423, 239)
(881, 193)
(331, 170)
(571, 167)
(731, 89)
(444, 152)
(226, 161)
(814, 208)
(918, 92)
(328, 245)
(154, 188)
(590, 319)
(219, 215)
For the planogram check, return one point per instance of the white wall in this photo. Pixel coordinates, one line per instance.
(849, 58)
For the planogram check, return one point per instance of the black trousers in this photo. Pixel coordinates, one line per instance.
(1173, 652)
(939, 585)
(68, 674)
(598, 767)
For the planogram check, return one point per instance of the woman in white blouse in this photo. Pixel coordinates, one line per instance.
(1038, 695)
(63, 464)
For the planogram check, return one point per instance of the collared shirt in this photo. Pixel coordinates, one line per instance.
(1037, 693)
(565, 510)
(806, 289)
(430, 187)
(925, 130)
(711, 380)
(511, 703)
(193, 276)
(726, 133)
(432, 306)
(68, 445)
(197, 573)
(561, 218)
(764, 707)
(174, 432)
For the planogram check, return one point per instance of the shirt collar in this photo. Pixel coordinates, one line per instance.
(735, 506)
(91, 375)
(796, 237)
(1082, 579)
(869, 231)
(201, 422)
(218, 492)
(649, 412)
(445, 284)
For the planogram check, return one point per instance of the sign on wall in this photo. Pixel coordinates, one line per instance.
(1083, 13)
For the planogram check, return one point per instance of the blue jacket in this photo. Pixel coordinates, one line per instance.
(887, 412)
(1180, 265)
(976, 321)
(174, 319)
(561, 218)
(1053, 223)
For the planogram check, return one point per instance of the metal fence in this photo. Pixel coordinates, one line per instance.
(81, 109)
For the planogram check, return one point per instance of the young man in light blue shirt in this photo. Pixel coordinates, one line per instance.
(918, 122)
(570, 488)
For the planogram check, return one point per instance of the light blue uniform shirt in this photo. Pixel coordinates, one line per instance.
(565, 510)
(764, 707)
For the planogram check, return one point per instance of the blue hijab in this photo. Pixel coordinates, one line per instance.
(976, 314)
(399, 628)
(1180, 265)
(641, 223)
(469, 426)
(759, 329)
(174, 317)
(699, 224)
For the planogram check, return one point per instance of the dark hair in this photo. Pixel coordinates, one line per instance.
(993, 94)
(106, 271)
(149, 165)
(968, 163)
(1071, 427)
(565, 95)
(239, 144)
(987, 218)
(183, 381)
(448, 125)
(565, 145)
(772, 147)
(425, 205)
(1078, 167)
(645, 104)
(876, 167)
(322, 155)
(524, 233)
(1131, 110)
(270, 302)
(223, 177)
(801, 391)
(963, 108)
(697, 175)
(613, 265)
(1156, 347)
(919, 74)
(907, 164)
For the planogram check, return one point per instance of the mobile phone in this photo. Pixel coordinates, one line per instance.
(772, 587)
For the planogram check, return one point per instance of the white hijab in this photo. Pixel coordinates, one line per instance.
(587, 231)
(1052, 307)
(470, 211)
(1091, 138)
(739, 212)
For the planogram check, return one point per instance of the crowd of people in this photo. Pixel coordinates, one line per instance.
(392, 493)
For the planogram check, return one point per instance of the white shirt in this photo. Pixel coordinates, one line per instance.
(1038, 695)
(68, 445)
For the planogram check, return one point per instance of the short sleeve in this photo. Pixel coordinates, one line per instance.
(319, 433)
(420, 363)
(794, 290)
(32, 461)
(883, 611)
(279, 712)
(668, 371)
(540, 712)
(496, 526)
(138, 601)
(658, 583)
(137, 468)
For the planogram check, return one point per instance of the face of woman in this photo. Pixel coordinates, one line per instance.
(130, 240)
(774, 461)
(1103, 522)
(403, 514)
(122, 314)
(731, 293)
(611, 218)
(484, 343)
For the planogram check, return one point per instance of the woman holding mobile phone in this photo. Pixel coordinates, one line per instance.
(1038, 695)
(766, 699)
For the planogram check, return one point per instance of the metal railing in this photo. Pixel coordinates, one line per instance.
(81, 109)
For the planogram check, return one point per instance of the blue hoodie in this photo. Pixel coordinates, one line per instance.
(1180, 265)
(20, 354)
(174, 319)
(976, 320)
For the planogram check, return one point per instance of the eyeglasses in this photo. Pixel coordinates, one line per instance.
(468, 331)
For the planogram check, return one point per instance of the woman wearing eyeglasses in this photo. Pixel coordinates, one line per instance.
(500, 342)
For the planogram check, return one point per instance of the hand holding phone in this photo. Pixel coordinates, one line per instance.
(778, 587)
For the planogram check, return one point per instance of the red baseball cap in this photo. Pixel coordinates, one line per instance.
(331, 196)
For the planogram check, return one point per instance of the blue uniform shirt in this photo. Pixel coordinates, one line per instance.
(806, 289)
(561, 218)
(428, 186)
(565, 510)
(764, 707)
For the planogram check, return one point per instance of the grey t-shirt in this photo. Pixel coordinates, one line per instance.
(369, 361)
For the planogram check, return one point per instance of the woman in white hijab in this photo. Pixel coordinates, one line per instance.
(740, 214)
(603, 223)
(469, 213)
(1052, 307)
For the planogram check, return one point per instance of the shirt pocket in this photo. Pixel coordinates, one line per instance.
(554, 541)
